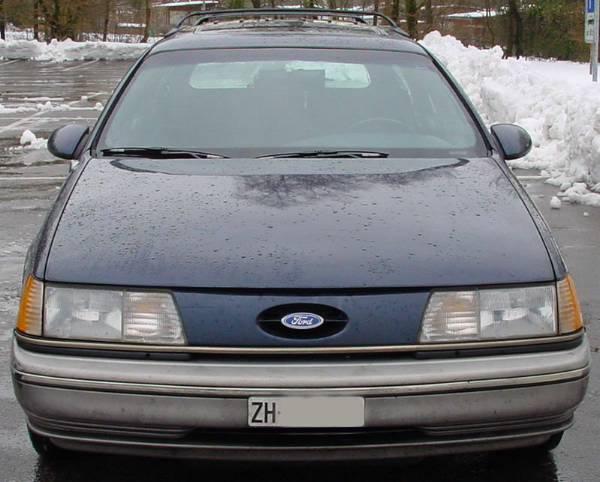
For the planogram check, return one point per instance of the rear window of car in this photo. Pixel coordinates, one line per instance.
(255, 102)
(242, 75)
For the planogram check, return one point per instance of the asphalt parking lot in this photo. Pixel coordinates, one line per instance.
(29, 183)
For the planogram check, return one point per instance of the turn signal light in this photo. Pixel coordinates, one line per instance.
(29, 319)
(569, 309)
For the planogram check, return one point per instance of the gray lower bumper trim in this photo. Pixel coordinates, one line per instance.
(190, 412)
(149, 388)
(242, 377)
(222, 350)
(257, 452)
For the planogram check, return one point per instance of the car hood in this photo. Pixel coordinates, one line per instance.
(296, 223)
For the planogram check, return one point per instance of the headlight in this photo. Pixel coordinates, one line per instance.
(496, 314)
(111, 315)
(490, 314)
(98, 314)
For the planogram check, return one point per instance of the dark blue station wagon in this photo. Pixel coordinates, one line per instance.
(290, 236)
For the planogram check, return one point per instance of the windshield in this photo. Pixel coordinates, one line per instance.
(257, 102)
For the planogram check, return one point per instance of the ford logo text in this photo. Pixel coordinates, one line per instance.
(302, 321)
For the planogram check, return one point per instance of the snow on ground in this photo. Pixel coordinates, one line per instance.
(20, 108)
(30, 141)
(47, 106)
(14, 33)
(555, 202)
(555, 101)
(68, 50)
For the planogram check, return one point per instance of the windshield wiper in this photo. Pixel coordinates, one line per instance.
(160, 153)
(327, 154)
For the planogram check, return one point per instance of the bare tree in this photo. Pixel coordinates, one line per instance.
(2, 21)
(428, 16)
(148, 16)
(36, 19)
(489, 21)
(51, 12)
(395, 13)
(412, 14)
(376, 9)
(514, 40)
(107, 8)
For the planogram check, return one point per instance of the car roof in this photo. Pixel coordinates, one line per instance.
(288, 34)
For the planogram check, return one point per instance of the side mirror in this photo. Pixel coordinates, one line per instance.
(514, 140)
(64, 141)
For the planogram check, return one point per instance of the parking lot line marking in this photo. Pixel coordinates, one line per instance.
(62, 177)
(33, 178)
(39, 113)
(531, 178)
(10, 62)
(81, 66)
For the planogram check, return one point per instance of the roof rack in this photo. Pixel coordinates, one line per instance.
(356, 15)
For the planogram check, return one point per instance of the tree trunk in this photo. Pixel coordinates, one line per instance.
(148, 18)
(70, 23)
(256, 3)
(52, 18)
(36, 19)
(56, 33)
(515, 30)
(410, 8)
(376, 9)
(488, 22)
(107, 5)
(518, 34)
(428, 16)
(395, 11)
(2, 21)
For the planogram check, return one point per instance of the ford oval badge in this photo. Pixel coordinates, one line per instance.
(302, 321)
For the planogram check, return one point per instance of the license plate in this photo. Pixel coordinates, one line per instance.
(306, 412)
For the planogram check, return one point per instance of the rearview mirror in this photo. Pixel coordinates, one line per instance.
(64, 141)
(514, 141)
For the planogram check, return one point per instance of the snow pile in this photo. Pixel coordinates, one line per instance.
(42, 99)
(48, 106)
(555, 101)
(555, 203)
(68, 50)
(14, 33)
(30, 141)
(579, 193)
(13, 110)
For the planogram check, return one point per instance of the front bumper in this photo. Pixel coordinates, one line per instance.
(199, 408)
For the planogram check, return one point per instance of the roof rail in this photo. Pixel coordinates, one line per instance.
(357, 15)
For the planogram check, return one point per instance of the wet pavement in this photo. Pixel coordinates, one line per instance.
(29, 183)
(43, 96)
